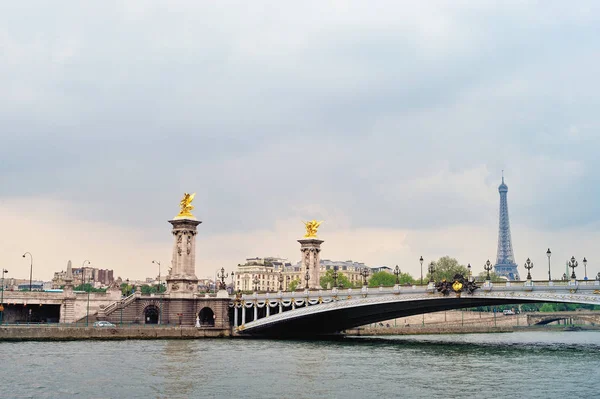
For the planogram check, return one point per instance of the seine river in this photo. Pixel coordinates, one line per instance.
(524, 364)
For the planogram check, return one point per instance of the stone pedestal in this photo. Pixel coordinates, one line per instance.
(310, 249)
(182, 280)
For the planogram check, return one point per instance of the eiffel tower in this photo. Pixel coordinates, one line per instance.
(505, 262)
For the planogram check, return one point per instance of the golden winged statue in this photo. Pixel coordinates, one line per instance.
(185, 205)
(311, 228)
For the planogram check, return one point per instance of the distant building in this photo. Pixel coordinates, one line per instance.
(382, 269)
(87, 275)
(35, 286)
(265, 273)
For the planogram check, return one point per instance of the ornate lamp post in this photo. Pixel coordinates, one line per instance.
(307, 278)
(421, 260)
(334, 275)
(30, 267)
(549, 254)
(487, 267)
(585, 268)
(158, 263)
(397, 273)
(528, 265)
(280, 279)
(431, 271)
(573, 264)
(222, 276)
(87, 315)
(2, 299)
(255, 280)
(365, 273)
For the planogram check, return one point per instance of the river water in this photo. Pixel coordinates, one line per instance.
(523, 364)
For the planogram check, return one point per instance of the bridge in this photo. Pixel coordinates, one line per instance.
(581, 316)
(322, 312)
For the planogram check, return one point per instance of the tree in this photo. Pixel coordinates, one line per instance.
(446, 268)
(152, 289)
(382, 279)
(387, 279)
(293, 285)
(88, 288)
(494, 278)
(342, 280)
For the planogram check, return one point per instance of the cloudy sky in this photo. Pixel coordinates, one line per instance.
(390, 121)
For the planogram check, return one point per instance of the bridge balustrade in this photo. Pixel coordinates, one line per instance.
(262, 305)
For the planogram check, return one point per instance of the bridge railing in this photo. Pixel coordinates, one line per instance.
(116, 305)
(348, 293)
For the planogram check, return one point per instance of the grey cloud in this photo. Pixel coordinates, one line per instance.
(123, 110)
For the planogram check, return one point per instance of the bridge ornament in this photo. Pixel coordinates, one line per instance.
(459, 285)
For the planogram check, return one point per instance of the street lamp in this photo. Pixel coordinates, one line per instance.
(431, 271)
(573, 264)
(30, 267)
(549, 254)
(2, 299)
(88, 289)
(585, 268)
(421, 260)
(223, 276)
(158, 263)
(365, 273)
(397, 273)
(335, 276)
(528, 265)
(487, 267)
(307, 278)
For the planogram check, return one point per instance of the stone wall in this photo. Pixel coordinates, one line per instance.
(181, 311)
(14, 333)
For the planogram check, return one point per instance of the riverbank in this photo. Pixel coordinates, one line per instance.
(38, 333)
(433, 330)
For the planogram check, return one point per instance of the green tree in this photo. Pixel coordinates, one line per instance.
(547, 307)
(293, 285)
(342, 280)
(126, 289)
(387, 279)
(382, 279)
(152, 289)
(494, 278)
(446, 268)
(88, 288)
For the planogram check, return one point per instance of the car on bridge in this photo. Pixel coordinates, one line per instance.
(103, 324)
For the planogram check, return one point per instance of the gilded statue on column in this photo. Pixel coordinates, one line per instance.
(185, 206)
(311, 228)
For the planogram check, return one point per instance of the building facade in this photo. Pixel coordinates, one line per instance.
(264, 274)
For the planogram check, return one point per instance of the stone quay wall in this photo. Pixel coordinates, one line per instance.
(37, 333)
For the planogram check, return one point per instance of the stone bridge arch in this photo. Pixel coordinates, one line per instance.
(149, 312)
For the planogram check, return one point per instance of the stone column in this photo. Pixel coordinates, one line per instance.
(182, 280)
(310, 249)
(67, 309)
